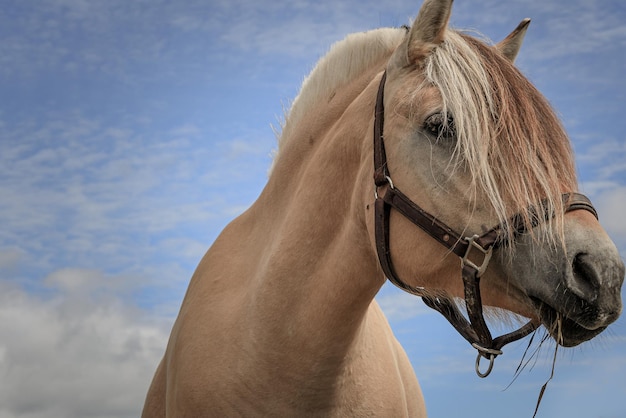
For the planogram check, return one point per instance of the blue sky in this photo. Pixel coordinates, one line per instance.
(132, 131)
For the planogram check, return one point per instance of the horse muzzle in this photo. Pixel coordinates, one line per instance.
(581, 295)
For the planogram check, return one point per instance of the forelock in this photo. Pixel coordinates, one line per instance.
(509, 139)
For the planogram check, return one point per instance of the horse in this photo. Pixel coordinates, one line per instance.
(419, 155)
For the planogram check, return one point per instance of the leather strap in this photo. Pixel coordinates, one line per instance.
(381, 173)
(577, 201)
(474, 330)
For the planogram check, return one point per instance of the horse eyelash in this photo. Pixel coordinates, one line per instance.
(437, 127)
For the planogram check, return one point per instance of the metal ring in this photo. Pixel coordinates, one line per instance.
(390, 182)
(492, 357)
(482, 352)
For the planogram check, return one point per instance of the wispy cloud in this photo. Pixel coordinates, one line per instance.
(610, 203)
(106, 210)
(398, 305)
(102, 190)
(606, 156)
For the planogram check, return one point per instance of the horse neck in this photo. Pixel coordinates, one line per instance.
(318, 272)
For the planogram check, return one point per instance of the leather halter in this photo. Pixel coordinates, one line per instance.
(475, 251)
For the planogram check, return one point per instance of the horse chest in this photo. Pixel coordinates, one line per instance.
(224, 374)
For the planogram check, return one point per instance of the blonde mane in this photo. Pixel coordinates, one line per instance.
(509, 139)
(345, 60)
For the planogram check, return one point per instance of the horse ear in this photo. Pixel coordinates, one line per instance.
(428, 29)
(510, 46)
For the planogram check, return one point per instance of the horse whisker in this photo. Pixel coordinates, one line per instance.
(559, 334)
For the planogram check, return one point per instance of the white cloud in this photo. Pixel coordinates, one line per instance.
(301, 29)
(598, 147)
(605, 160)
(10, 257)
(398, 305)
(579, 26)
(610, 204)
(82, 352)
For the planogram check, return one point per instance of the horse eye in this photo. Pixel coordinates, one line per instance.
(440, 126)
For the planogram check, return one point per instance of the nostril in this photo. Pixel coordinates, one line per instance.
(586, 281)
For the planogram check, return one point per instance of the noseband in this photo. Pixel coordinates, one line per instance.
(474, 252)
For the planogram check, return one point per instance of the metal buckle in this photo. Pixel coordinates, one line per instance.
(480, 269)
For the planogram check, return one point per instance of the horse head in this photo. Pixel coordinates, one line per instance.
(480, 151)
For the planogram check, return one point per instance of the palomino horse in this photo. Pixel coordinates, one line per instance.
(280, 317)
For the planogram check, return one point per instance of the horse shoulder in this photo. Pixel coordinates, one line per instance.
(204, 345)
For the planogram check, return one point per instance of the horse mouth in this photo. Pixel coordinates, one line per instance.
(566, 330)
